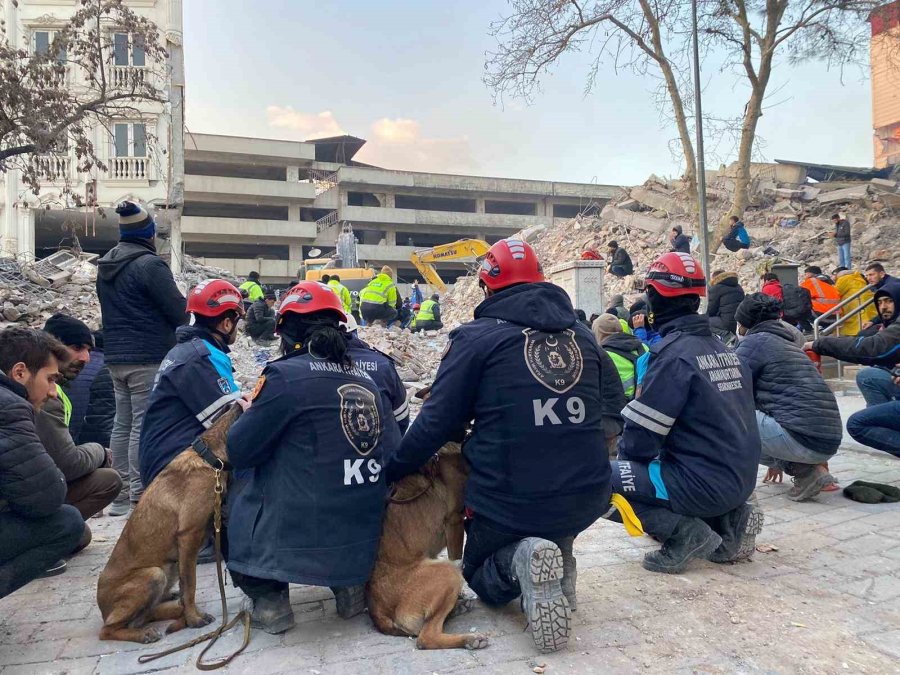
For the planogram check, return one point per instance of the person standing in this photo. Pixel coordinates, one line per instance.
(141, 307)
(681, 243)
(620, 264)
(379, 300)
(842, 236)
(37, 528)
(530, 376)
(429, 315)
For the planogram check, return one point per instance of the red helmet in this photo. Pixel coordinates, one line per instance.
(214, 297)
(510, 261)
(675, 274)
(311, 296)
(417, 306)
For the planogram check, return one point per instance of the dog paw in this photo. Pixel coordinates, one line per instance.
(151, 635)
(201, 620)
(477, 642)
(463, 605)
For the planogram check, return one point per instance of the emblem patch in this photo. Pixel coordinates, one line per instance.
(554, 359)
(359, 417)
(260, 383)
(224, 385)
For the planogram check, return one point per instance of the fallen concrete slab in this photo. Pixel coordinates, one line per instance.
(850, 194)
(630, 219)
(656, 200)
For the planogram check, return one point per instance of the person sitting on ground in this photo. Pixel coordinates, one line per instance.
(91, 483)
(725, 294)
(314, 440)
(101, 410)
(617, 307)
(379, 300)
(681, 243)
(261, 319)
(429, 315)
(796, 413)
(624, 351)
(334, 283)
(405, 316)
(823, 294)
(848, 283)
(771, 286)
(620, 263)
(690, 448)
(878, 426)
(737, 237)
(37, 527)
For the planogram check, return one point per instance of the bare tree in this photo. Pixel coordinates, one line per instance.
(52, 99)
(641, 35)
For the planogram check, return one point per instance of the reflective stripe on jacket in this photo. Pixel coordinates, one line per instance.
(67, 404)
(626, 368)
(824, 295)
(380, 291)
(254, 290)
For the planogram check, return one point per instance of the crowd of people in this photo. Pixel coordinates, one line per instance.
(645, 416)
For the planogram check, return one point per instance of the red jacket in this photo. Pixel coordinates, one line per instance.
(774, 289)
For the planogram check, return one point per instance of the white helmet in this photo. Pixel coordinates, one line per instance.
(350, 324)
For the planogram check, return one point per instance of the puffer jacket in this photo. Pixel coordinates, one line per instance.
(725, 294)
(30, 483)
(101, 412)
(140, 304)
(787, 387)
(849, 282)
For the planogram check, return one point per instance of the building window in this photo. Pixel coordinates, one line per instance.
(130, 139)
(128, 51)
(41, 41)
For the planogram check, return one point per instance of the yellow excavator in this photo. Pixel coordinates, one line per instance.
(424, 258)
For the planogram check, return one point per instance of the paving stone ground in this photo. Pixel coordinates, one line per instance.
(827, 601)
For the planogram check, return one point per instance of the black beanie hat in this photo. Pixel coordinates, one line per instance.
(664, 309)
(756, 308)
(69, 330)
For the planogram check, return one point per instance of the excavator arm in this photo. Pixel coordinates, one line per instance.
(424, 258)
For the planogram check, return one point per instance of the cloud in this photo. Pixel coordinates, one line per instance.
(391, 143)
(306, 125)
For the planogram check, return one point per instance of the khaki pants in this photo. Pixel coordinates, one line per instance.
(92, 493)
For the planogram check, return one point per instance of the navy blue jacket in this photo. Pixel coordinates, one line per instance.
(194, 382)
(696, 415)
(101, 412)
(529, 374)
(79, 391)
(311, 509)
(139, 302)
(381, 368)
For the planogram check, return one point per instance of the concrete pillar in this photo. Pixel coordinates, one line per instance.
(479, 205)
(293, 174)
(390, 237)
(389, 202)
(26, 231)
(343, 198)
(295, 252)
(294, 212)
(540, 208)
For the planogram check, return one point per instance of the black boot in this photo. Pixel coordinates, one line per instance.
(692, 538)
(350, 600)
(570, 571)
(738, 529)
(271, 612)
(538, 567)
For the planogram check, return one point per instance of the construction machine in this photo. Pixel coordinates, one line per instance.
(343, 262)
(424, 258)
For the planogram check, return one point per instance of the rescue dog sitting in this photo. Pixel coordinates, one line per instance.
(410, 593)
(159, 545)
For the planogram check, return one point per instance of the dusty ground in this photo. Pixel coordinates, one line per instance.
(825, 602)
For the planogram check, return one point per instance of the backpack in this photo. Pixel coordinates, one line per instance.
(797, 302)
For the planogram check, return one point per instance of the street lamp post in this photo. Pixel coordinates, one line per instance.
(701, 163)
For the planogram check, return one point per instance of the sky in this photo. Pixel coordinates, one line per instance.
(407, 76)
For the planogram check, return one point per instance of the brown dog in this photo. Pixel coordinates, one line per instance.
(411, 593)
(159, 545)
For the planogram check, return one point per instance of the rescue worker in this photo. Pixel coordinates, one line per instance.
(251, 290)
(195, 380)
(825, 296)
(622, 348)
(689, 452)
(260, 318)
(334, 283)
(314, 437)
(379, 299)
(429, 315)
(354, 307)
(529, 375)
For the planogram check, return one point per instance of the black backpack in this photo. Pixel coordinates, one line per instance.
(797, 302)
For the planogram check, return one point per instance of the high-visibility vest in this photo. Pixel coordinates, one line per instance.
(341, 292)
(67, 404)
(426, 311)
(254, 290)
(627, 369)
(824, 295)
(378, 291)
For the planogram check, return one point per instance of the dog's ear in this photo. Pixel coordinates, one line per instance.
(450, 449)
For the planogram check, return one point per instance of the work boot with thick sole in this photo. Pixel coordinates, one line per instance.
(692, 538)
(271, 613)
(538, 567)
(738, 531)
(350, 600)
(570, 572)
(809, 481)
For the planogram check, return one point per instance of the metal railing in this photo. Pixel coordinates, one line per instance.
(819, 331)
(326, 221)
(323, 180)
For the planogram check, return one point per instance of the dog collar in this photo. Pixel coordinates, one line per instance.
(202, 449)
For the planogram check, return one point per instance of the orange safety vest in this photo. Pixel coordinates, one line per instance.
(824, 296)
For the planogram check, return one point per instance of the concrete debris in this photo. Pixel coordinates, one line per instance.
(850, 194)
(656, 199)
(631, 219)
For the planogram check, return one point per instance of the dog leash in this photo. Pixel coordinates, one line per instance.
(213, 636)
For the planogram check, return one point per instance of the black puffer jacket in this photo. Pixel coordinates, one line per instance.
(140, 304)
(787, 387)
(30, 483)
(98, 422)
(725, 294)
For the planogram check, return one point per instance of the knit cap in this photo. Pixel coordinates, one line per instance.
(606, 325)
(756, 308)
(69, 330)
(135, 222)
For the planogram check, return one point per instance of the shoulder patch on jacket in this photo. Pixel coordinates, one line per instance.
(260, 383)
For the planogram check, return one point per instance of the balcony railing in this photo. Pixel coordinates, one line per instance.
(52, 168)
(128, 77)
(129, 168)
(323, 180)
(326, 221)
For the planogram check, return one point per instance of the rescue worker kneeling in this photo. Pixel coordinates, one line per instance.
(690, 448)
(529, 375)
(309, 504)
